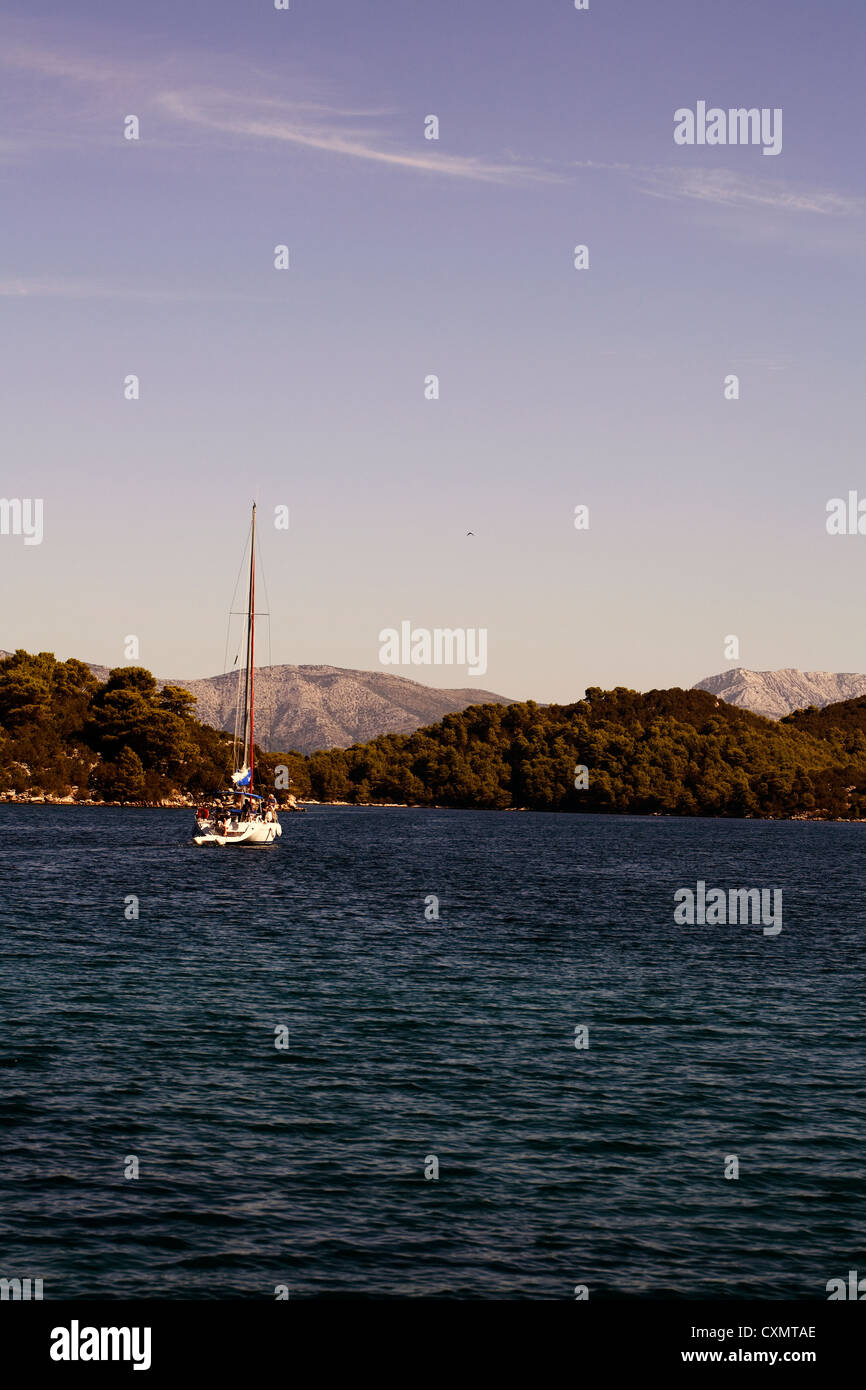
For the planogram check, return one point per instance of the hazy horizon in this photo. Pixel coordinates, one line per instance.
(408, 257)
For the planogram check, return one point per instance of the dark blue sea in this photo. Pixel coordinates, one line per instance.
(411, 1040)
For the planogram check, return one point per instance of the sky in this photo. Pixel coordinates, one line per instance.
(408, 257)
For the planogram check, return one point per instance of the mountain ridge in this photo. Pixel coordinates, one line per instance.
(774, 694)
(315, 707)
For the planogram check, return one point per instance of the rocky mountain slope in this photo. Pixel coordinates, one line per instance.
(310, 707)
(775, 693)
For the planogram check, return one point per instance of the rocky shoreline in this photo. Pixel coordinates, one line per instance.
(179, 802)
(182, 802)
(25, 799)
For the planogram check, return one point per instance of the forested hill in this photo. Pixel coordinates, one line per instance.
(679, 752)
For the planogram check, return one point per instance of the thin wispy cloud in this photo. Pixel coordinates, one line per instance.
(275, 122)
(49, 63)
(727, 188)
(170, 93)
(336, 128)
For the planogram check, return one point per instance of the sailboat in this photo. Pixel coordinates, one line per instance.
(242, 817)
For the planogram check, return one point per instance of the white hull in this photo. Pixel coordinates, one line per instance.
(252, 832)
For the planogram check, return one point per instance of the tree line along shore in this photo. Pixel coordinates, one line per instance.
(67, 737)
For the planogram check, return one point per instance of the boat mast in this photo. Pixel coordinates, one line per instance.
(252, 636)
